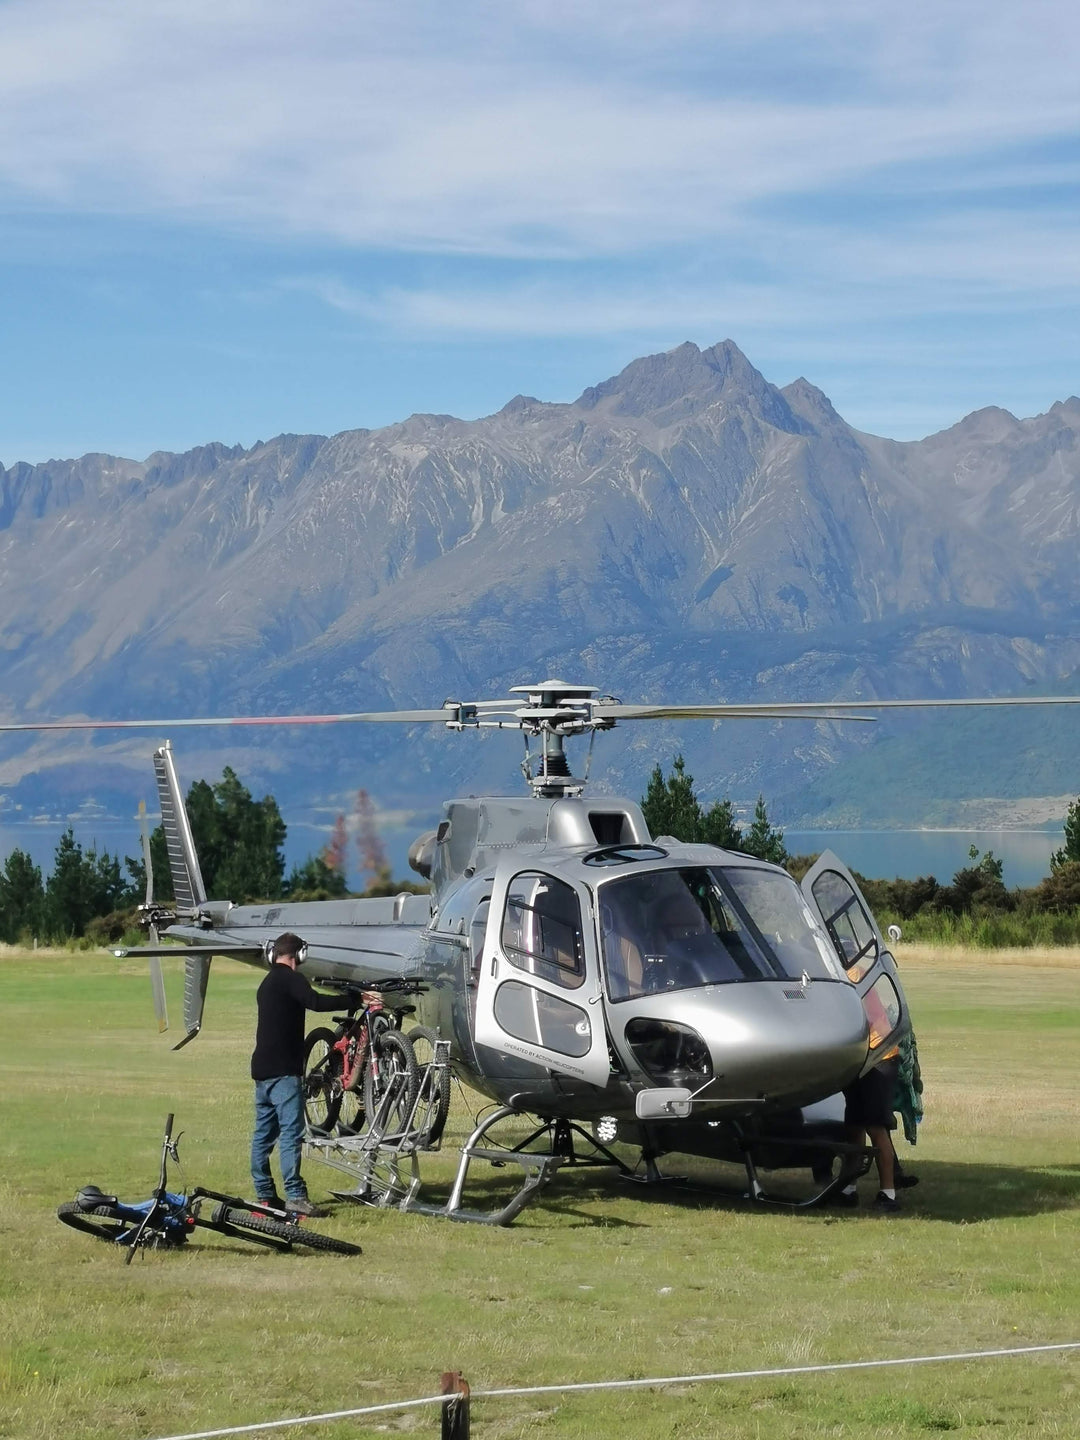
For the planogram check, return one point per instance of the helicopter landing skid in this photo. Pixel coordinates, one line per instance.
(539, 1166)
(855, 1161)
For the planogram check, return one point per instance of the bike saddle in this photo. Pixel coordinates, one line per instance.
(90, 1197)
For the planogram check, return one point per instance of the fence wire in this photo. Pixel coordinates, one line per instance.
(656, 1382)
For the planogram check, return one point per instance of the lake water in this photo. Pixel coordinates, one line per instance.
(885, 854)
(879, 854)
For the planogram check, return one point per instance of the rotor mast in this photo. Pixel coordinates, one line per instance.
(548, 712)
(553, 711)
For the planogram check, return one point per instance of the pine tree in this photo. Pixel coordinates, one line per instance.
(238, 841)
(315, 880)
(68, 890)
(670, 806)
(718, 826)
(251, 834)
(22, 897)
(1071, 849)
(761, 839)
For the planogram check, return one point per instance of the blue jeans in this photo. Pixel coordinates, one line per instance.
(279, 1119)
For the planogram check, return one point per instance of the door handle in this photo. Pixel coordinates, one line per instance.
(494, 965)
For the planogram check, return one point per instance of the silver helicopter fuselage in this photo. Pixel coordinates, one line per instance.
(573, 962)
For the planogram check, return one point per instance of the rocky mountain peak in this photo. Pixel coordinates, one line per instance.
(681, 382)
(673, 527)
(811, 404)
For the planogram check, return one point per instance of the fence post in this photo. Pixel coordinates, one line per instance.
(455, 1409)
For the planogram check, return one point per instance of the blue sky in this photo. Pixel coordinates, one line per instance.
(221, 221)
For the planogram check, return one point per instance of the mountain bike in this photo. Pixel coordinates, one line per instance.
(368, 1065)
(167, 1219)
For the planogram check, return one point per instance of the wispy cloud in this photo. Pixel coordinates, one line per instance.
(513, 129)
(815, 178)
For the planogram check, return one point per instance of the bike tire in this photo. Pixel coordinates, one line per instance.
(107, 1223)
(322, 1081)
(103, 1222)
(434, 1085)
(391, 1055)
(293, 1234)
(350, 1115)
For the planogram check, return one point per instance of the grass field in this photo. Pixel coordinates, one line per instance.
(602, 1280)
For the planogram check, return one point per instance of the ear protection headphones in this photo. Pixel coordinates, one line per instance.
(272, 953)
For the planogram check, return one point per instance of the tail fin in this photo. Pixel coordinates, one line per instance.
(196, 978)
(187, 878)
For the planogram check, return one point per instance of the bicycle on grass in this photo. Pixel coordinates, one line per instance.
(167, 1219)
(350, 1071)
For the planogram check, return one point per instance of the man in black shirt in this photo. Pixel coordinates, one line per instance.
(277, 1067)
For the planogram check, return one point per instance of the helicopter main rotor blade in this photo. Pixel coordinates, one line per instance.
(764, 711)
(807, 710)
(580, 709)
(404, 717)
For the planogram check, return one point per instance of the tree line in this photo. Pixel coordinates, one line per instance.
(240, 844)
(974, 907)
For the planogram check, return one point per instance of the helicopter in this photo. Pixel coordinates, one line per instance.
(615, 985)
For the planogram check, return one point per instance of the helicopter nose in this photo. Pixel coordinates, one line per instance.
(784, 1043)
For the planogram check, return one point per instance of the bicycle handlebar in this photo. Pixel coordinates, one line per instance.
(397, 983)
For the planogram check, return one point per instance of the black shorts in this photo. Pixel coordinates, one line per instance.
(871, 1099)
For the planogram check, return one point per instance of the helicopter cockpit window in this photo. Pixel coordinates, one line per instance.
(677, 929)
(789, 927)
(850, 927)
(541, 930)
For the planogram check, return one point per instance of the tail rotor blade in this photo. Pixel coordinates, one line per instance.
(157, 985)
(148, 864)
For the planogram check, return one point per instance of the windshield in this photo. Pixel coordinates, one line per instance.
(675, 929)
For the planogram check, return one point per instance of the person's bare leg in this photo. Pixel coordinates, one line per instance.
(884, 1156)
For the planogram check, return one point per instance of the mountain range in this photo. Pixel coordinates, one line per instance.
(684, 531)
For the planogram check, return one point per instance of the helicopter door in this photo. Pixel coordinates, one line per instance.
(538, 987)
(831, 890)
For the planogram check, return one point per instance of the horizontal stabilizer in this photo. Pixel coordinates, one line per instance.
(234, 952)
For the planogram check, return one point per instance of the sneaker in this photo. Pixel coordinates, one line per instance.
(842, 1198)
(304, 1206)
(885, 1205)
(271, 1202)
(904, 1181)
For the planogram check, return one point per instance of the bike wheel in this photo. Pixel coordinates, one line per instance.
(434, 1105)
(103, 1222)
(350, 1115)
(391, 1070)
(291, 1234)
(322, 1081)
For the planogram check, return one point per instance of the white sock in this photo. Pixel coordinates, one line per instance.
(849, 1190)
(890, 1193)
